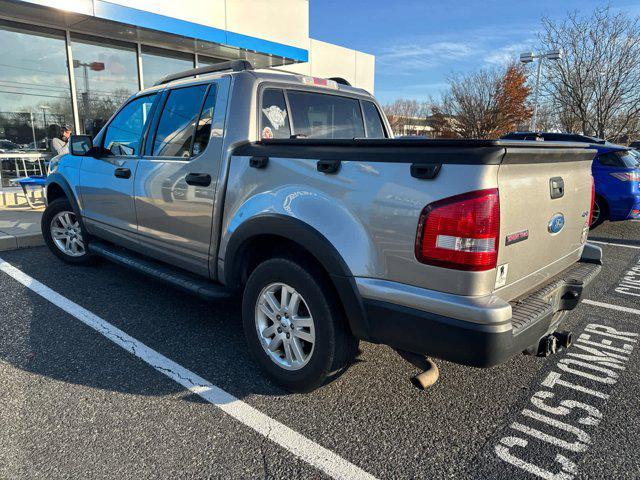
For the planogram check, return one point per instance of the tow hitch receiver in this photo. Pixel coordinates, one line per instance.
(550, 344)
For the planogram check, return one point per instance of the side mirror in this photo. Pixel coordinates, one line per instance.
(80, 145)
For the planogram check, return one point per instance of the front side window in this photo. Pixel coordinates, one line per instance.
(124, 133)
(275, 118)
(177, 123)
(317, 115)
(373, 121)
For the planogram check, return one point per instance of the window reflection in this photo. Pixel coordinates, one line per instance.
(106, 74)
(158, 63)
(204, 61)
(177, 122)
(35, 98)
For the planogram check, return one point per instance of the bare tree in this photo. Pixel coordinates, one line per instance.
(404, 112)
(483, 104)
(595, 87)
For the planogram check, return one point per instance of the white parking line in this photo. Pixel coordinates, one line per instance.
(307, 450)
(613, 244)
(612, 307)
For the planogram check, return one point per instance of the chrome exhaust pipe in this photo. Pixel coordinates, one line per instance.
(548, 346)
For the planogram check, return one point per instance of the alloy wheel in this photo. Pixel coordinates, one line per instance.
(285, 326)
(67, 235)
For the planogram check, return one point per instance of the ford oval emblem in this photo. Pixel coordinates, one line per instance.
(556, 223)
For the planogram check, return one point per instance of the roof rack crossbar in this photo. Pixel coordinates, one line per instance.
(231, 65)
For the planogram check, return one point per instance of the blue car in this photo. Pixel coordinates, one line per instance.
(616, 172)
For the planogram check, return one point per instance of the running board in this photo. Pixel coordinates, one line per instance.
(185, 281)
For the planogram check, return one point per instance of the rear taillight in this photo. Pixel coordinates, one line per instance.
(461, 232)
(593, 200)
(627, 176)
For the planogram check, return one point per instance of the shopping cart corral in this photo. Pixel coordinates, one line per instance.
(23, 175)
(19, 165)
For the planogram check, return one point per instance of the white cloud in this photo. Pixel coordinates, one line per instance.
(507, 53)
(410, 57)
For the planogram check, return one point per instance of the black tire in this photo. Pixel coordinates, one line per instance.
(601, 205)
(335, 346)
(57, 206)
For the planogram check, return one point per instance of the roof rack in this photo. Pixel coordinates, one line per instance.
(340, 80)
(232, 65)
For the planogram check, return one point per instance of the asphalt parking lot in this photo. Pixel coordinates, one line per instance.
(104, 373)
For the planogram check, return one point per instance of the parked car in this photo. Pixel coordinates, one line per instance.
(634, 145)
(290, 190)
(616, 171)
(7, 146)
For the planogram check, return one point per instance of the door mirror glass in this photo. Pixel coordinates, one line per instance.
(80, 145)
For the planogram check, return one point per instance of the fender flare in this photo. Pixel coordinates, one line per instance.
(312, 241)
(60, 181)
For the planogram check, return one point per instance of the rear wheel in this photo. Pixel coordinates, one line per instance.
(294, 326)
(599, 212)
(63, 234)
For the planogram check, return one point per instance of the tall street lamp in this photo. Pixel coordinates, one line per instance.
(96, 67)
(529, 57)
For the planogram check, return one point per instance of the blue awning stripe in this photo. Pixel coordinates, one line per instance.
(155, 21)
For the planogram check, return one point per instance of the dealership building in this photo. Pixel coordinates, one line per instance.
(73, 62)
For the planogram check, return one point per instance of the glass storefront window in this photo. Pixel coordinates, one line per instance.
(106, 74)
(35, 98)
(158, 63)
(204, 61)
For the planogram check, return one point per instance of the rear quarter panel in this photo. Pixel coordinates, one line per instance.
(368, 210)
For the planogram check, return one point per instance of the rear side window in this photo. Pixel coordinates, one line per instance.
(203, 128)
(124, 133)
(623, 159)
(275, 118)
(317, 115)
(176, 127)
(373, 121)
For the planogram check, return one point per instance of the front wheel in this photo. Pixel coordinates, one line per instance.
(63, 234)
(294, 326)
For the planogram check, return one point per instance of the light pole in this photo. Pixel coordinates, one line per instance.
(44, 120)
(96, 67)
(529, 57)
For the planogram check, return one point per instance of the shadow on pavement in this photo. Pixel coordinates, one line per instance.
(204, 337)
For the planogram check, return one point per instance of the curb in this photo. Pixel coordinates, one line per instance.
(11, 242)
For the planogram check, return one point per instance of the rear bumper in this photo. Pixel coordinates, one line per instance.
(487, 335)
(623, 207)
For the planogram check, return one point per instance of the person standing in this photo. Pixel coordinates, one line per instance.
(60, 145)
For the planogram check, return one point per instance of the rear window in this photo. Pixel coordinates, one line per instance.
(317, 115)
(623, 159)
(275, 118)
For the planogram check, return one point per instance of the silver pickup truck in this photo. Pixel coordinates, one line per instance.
(291, 191)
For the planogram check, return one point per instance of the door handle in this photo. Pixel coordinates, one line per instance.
(199, 179)
(122, 172)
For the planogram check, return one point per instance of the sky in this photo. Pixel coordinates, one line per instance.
(419, 44)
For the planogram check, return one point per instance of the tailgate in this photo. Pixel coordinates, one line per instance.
(545, 199)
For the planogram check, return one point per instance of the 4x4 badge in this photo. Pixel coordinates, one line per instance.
(516, 237)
